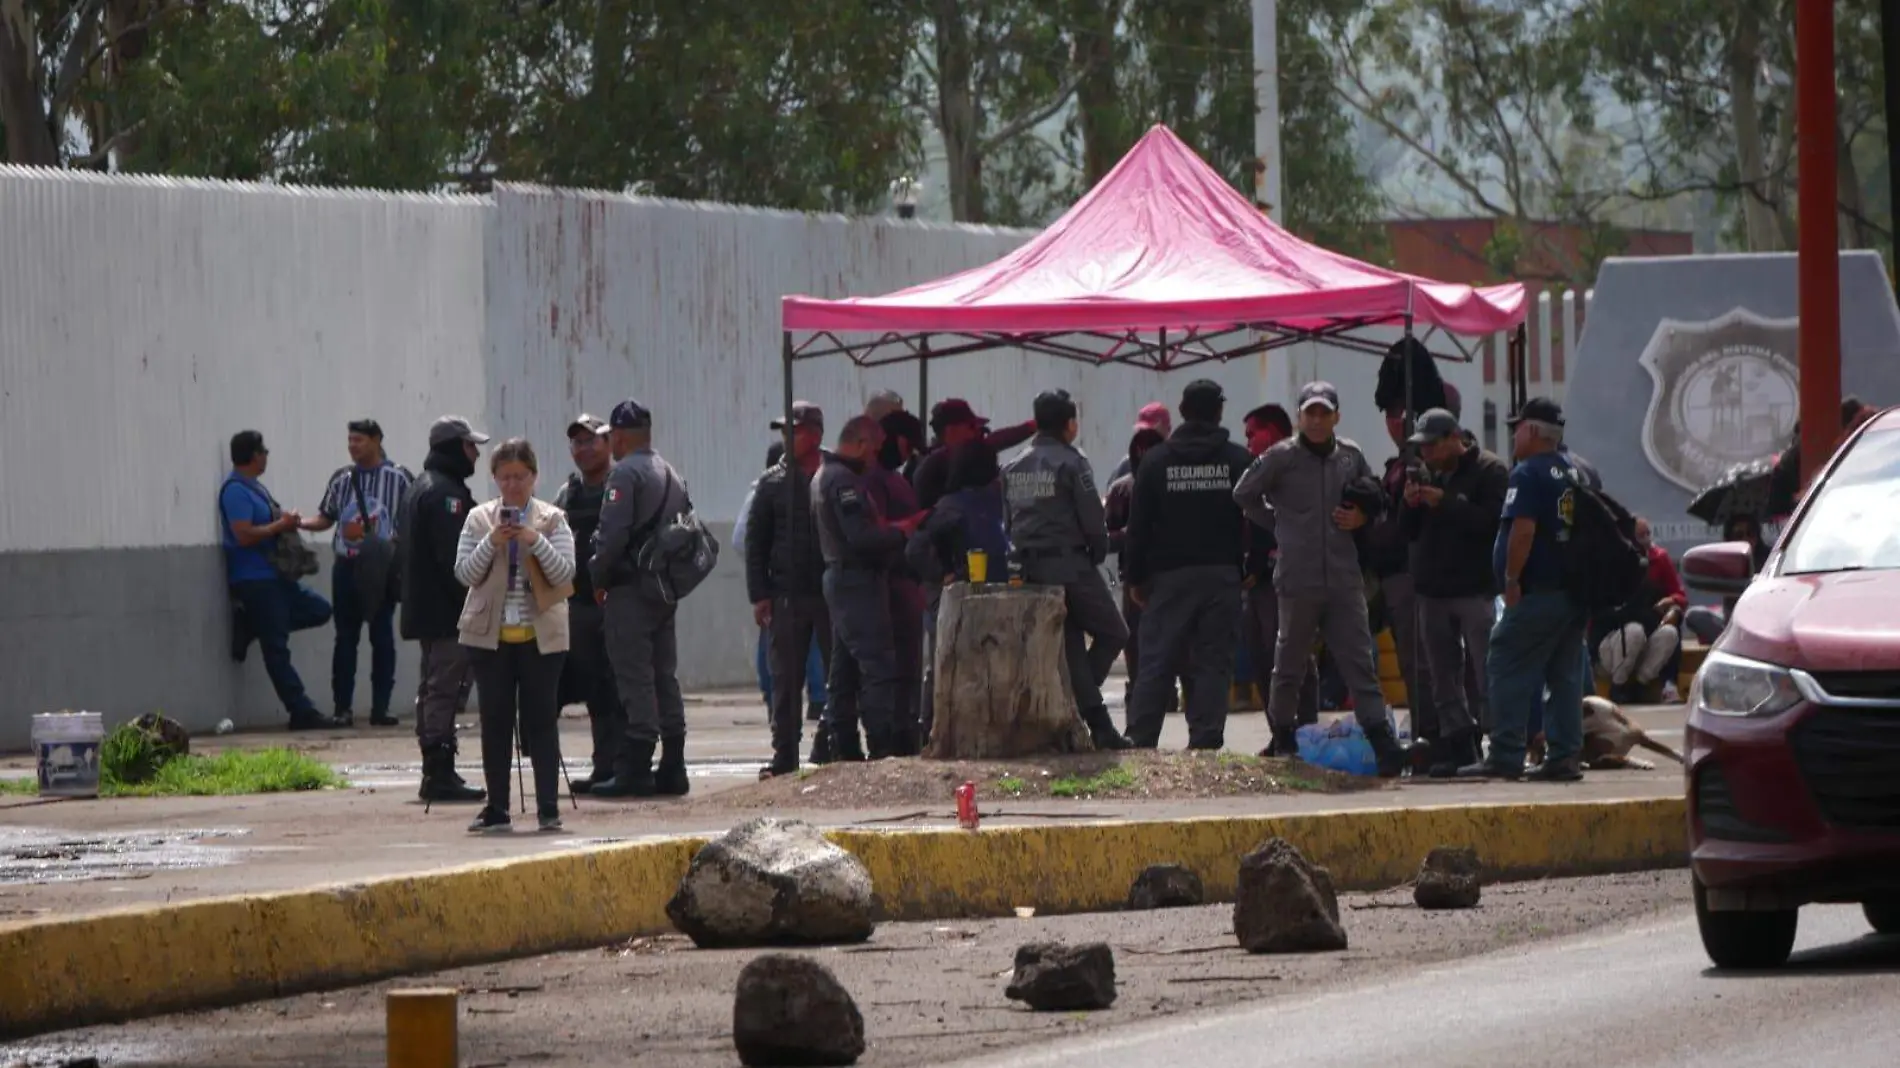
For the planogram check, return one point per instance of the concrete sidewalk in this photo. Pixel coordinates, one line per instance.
(71, 857)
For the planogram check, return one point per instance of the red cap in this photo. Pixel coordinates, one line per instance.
(1154, 416)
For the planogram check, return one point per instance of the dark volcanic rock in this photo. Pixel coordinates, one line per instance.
(1285, 904)
(792, 1011)
(1448, 879)
(1165, 886)
(1052, 977)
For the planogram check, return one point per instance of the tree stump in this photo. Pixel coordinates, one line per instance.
(1003, 686)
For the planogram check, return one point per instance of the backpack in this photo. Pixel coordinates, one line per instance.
(1603, 564)
(679, 552)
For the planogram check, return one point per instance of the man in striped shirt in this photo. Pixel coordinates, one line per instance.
(361, 502)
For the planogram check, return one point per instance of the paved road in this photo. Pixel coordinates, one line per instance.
(1640, 997)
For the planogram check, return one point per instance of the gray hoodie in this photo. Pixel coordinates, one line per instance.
(1292, 491)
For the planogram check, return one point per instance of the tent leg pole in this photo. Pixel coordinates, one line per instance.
(1411, 410)
(791, 484)
(923, 378)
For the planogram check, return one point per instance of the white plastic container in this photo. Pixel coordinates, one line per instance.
(68, 747)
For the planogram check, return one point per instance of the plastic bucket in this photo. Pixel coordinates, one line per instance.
(67, 744)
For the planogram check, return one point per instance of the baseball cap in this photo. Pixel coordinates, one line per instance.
(1153, 416)
(1538, 410)
(804, 413)
(954, 411)
(883, 403)
(591, 424)
(454, 428)
(1436, 424)
(1203, 390)
(630, 415)
(1321, 393)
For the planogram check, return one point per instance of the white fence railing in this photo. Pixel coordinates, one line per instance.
(1553, 331)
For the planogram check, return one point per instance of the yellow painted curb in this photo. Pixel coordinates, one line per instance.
(130, 963)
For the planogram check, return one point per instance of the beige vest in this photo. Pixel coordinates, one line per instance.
(480, 625)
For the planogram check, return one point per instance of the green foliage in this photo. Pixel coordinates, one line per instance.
(1011, 785)
(28, 785)
(129, 756)
(235, 771)
(1117, 777)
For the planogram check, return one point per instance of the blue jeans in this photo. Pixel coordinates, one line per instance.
(1589, 686)
(1535, 644)
(814, 672)
(274, 609)
(349, 634)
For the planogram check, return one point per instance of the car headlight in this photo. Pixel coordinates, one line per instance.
(1733, 686)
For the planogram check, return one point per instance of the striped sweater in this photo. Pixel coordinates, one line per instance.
(475, 554)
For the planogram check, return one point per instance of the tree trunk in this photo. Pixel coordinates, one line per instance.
(1751, 155)
(29, 135)
(1099, 101)
(956, 112)
(1002, 680)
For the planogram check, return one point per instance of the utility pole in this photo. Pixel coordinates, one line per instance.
(1819, 259)
(1266, 120)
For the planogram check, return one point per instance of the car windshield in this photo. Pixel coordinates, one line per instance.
(1851, 525)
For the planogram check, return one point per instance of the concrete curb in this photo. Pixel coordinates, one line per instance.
(131, 963)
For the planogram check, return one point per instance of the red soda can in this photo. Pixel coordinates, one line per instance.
(966, 806)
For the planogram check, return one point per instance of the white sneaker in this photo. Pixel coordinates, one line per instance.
(1669, 694)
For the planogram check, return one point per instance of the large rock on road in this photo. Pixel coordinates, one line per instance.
(773, 882)
(1052, 977)
(1285, 903)
(792, 1011)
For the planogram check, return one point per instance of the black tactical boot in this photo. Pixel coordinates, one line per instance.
(846, 746)
(820, 747)
(1455, 750)
(670, 780)
(1285, 744)
(1386, 749)
(1102, 730)
(633, 773)
(440, 784)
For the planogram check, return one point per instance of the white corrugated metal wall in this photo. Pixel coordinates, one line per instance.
(144, 321)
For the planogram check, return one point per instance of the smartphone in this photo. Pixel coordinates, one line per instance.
(510, 517)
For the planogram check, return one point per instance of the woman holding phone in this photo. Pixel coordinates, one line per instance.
(516, 557)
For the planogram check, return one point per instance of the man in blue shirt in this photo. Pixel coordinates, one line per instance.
(361, 500)
(272, 606)
(1536, 641)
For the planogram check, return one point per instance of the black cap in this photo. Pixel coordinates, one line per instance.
(1203, 391)
(454, 428)
(804, 413)
(954, 411)
(1321, 393)
(630, 415)
(1436, 424)
(1538, 410)
(586, 424)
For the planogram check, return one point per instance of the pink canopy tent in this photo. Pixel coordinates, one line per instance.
(1162, 265)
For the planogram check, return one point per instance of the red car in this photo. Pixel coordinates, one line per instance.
(1793, 742)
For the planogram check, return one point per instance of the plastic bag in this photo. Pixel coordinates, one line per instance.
(1338, 746)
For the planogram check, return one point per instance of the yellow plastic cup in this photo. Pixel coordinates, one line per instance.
(979, 566)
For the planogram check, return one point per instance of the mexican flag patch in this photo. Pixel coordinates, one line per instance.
(455, 506)
(613, 494)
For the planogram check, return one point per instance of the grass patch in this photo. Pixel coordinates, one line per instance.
(246, 771)
(1115, 778)
(1295, 782)
(1011, 785)
(27, 785)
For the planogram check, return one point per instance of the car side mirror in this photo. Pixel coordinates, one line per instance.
(1726, 568)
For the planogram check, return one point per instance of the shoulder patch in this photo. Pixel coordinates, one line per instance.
(455, 506)
(613, 494)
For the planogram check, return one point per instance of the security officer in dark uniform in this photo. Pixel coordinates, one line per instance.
(859, 548)
(1184, 543)
(586, 676)
(784, 574)
(1058, 531)
(643, 491)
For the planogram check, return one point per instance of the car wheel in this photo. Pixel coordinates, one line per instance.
(1884, 916)
(1744, 939)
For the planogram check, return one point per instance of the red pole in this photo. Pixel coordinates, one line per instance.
(1819, 250)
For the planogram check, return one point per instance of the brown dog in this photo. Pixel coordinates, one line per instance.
(1608, 737)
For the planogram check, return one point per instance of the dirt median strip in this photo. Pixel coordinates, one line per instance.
(145, 961)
